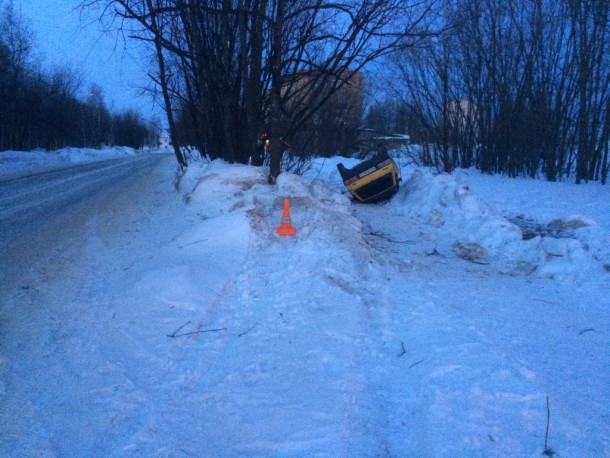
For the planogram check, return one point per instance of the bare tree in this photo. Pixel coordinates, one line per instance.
(590, 25)
(319, 47)
(534, 76)
(245, 65)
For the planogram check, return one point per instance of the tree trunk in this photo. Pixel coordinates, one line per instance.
(252, 82)
(164, 88)
(276, 90)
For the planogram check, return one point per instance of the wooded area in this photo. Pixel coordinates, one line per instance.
(519, 88)
(41, 109)
(231, 68)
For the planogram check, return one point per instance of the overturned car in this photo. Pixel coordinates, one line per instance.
(373, 180)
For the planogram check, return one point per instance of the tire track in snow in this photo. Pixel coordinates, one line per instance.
(457, 382)
(282, 379)
(59, 320)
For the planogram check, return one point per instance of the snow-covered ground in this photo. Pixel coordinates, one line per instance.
(14, 163)
(425, 326)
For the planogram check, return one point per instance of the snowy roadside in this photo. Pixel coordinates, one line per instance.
(16, 163)
(186, 326)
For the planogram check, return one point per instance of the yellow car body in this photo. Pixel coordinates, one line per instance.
(372, 180)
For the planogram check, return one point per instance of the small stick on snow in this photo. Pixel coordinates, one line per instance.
(388, 238)
(173, 334)
(547, 451)
(199, 332)
(415, 364)
(403, 350)
(246, 331)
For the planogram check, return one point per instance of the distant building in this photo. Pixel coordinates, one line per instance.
(164, 139)
(334, 126)
(462, 116)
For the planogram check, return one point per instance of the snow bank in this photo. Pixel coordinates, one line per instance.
(218, 189)
(455, 220)
(443, 210)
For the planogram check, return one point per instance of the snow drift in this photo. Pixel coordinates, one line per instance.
(436, 324)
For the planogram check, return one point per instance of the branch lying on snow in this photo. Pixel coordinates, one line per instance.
(403, 350)
(199, 332)
(192, 243)
(586, 330)
(415, 364)
(481, 263)
(388, 238)
(435, 252)
(547, 451)
(246, 331)
(374, 247)
(175, 333)
(546, 302)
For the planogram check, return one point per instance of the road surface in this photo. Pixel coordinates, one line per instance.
(38, 208)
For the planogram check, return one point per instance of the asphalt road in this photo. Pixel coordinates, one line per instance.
(37, 208)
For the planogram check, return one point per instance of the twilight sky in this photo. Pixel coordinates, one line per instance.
(64, 36)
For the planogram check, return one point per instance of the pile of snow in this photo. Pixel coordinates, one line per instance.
(442, 210)
(239, 189)
(452, 218)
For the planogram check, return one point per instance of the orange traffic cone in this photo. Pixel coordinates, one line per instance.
(286, 227)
